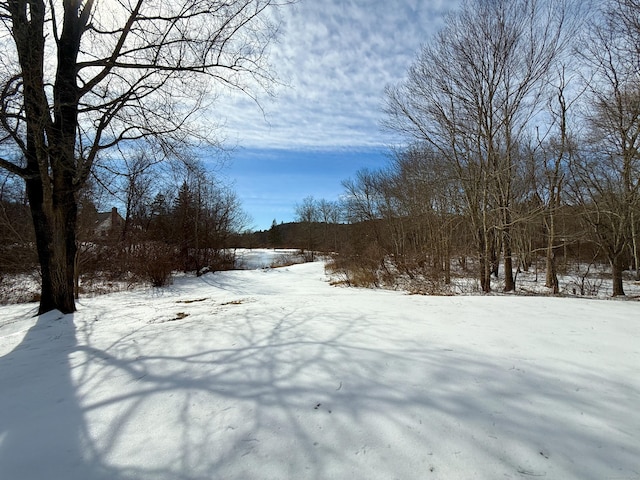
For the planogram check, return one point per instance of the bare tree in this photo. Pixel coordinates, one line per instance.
(85, 76)
(607, 174)
(362, 203)
(308, 213)
(330, 213)
(625, 16)
(427, 194)
(551, 156)
(136, 187)
(471, 95)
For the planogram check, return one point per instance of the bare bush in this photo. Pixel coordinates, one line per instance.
(357, 270)
(19, 288)
(153, 262)
(290, 259)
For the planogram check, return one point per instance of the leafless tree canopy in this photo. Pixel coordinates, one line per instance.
(471, 95)
(123, 70)
(80, 77)
(521, 123)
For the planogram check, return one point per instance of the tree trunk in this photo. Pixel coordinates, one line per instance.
(550, 277)
(447, 259)
(634, 245)
(76, 276)
(55, 227)
(494, 245)
(485, 279)
(509, 281)
(485, 264)
(616, 275)
(551, 274)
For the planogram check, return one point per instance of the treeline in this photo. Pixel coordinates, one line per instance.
(170, 221)
(523, 120)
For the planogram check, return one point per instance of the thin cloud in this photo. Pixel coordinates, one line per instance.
(337, 56)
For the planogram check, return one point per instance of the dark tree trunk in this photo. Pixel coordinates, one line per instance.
(550, 265)
(485, 265)
(616, 276)
(485, 276)
(447, 261)
(509, 281)
(493, 254)
(552, 274)
(55, 227)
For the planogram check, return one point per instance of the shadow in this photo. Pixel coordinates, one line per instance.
(257, 390)
(42, 429)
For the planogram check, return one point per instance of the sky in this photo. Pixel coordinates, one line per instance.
(334, 59)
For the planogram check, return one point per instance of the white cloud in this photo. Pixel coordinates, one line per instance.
(337, 57)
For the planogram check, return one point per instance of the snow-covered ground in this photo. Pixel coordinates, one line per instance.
(275, 374)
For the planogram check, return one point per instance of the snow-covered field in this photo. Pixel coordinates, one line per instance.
(275, 374)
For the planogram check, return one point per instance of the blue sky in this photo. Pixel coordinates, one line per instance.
(335, 58)
(270, 182)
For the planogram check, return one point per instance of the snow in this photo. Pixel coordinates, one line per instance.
(251, 259)
(275, 374)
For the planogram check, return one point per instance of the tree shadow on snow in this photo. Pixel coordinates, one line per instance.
(300, 394)
(43, 433)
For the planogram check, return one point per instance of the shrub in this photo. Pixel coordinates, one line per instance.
(153, 262)
(354, 271)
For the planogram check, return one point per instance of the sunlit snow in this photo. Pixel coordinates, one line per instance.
(276, 374)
